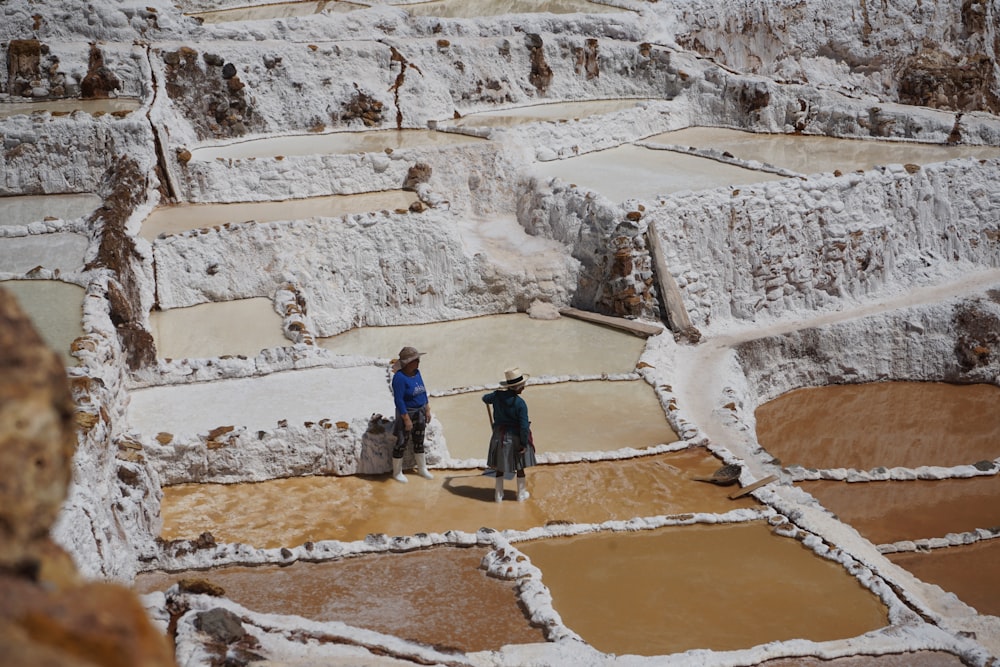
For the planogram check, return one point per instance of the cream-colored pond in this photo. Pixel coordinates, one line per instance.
(812, 154)
(290, 512)
(184, 217)
(888, 424)
(635, 172)
(277, 10)
(25, 209)
(374, 141)
(60, 107)
(717, 587)
(57, 251)
(475, 8)
(240, 327)
(566, 417)
(418, 596)
(559, 112)
(55, 308)
(476, 351)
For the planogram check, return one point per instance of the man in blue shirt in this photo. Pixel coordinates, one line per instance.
(413, 411)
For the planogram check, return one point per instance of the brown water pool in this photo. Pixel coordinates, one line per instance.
(719, 587)
(417, 596)
(969, 571)
(886, 512)
(890, 424)
(290, 512)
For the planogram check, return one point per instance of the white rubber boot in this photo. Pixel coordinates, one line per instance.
(397, 471)
(498, 496)
(422, 466)
(522, 490)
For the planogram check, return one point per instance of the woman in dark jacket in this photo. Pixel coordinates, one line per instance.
(511, 446)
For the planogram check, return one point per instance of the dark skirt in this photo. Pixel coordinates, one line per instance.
(505, 451)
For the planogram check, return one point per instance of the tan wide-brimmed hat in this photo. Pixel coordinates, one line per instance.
(514, 378)
(408, 354)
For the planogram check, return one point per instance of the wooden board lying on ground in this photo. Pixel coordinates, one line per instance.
(752, 487)
(640, 329)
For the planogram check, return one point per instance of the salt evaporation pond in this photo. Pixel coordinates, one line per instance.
(969, 571)
(179, 218)
(56, 251)
(893, 511)
(807, 154)
(55, 309)
(293, 511)
(372, 141)
(278, 10)
(478, 8)
(886, 424)
(417, 596)
(908, 425)
(115, 105)
(476, 351)
(239, 327)
(717, 587)
(26, 209)
(558, 112)
(629, 171)
(259, 403)
(566, 417)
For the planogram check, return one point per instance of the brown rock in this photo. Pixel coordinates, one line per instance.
(37, 437)
(418, 173)
(90, 624)
(100, 81)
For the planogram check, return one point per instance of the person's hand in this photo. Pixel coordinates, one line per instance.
(427, 412)
(407, 423)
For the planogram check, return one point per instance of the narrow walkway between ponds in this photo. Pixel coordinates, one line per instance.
(705, 371)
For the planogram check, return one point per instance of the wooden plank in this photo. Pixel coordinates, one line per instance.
(677, 315)
(752, 487)
(640, 329)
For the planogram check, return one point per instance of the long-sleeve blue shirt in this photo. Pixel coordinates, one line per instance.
(509, 410)
(408, 392)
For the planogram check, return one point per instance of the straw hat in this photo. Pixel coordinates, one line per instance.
(513, 378)
(408, 354)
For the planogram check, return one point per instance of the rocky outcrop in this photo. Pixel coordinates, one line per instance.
(124, 185)
(100, 80)
(210, 93)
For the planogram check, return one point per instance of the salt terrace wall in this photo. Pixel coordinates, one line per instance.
(38, 70)
(866, 47)
(371, 269)
(615, 276)
(762, 105)
(298, 88)
(44, 154)
(955, 341)
(111, 516)
(806, 245)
